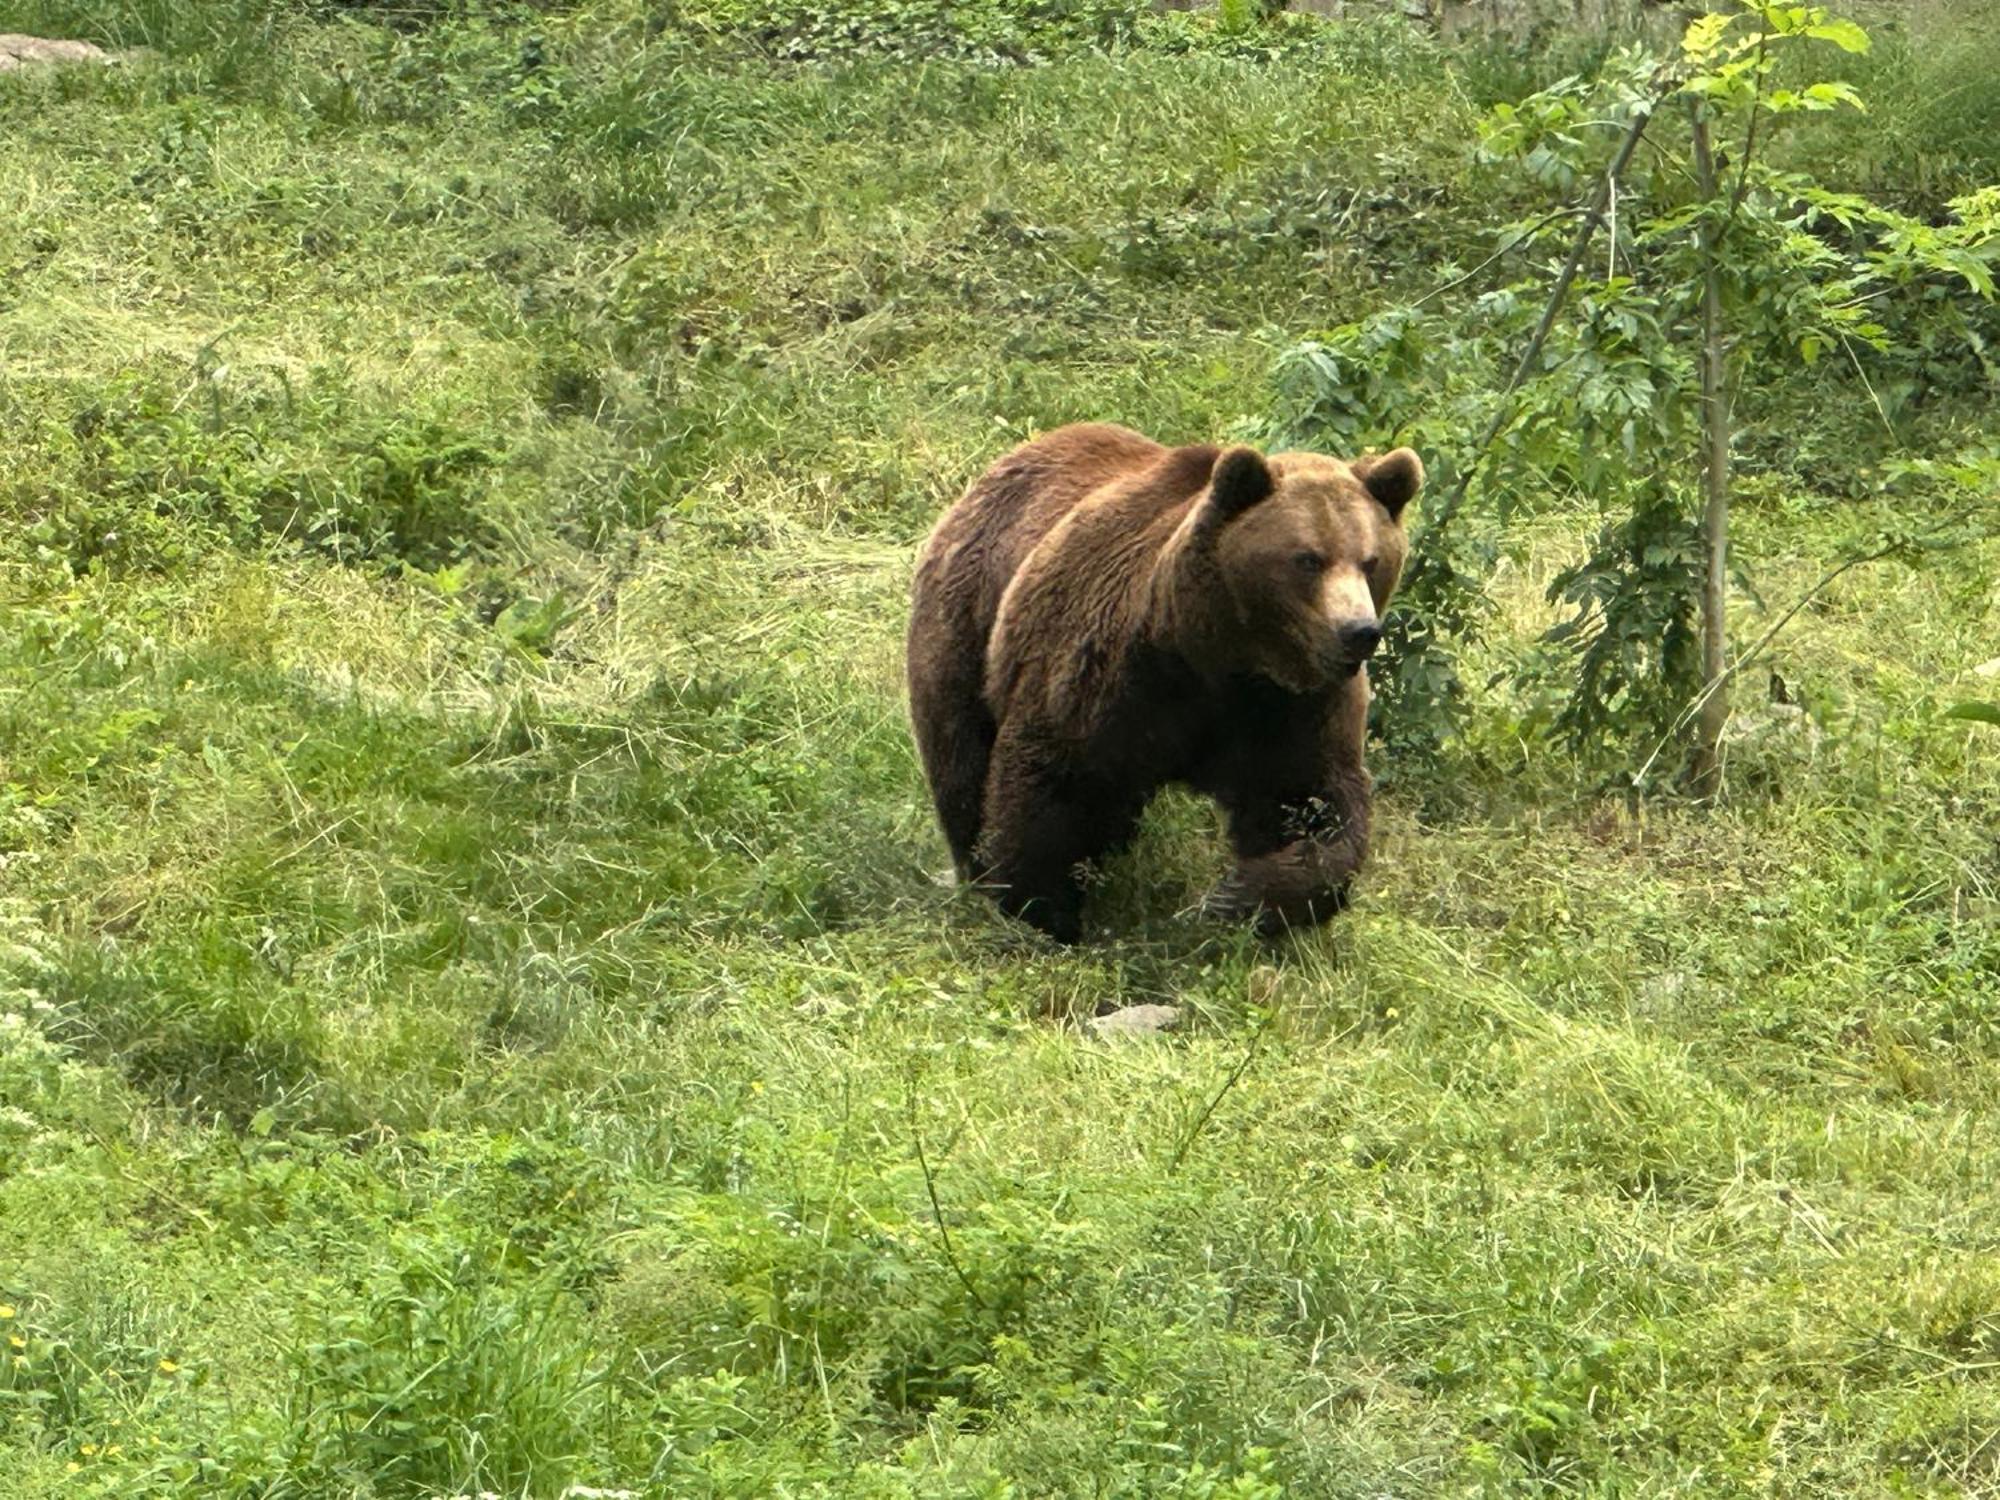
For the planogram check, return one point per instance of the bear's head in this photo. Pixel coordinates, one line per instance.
(1308, 550)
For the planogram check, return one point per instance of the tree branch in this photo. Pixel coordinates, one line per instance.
(1750, 134)
(1593, 217)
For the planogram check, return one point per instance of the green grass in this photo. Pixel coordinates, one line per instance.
(477, 1009)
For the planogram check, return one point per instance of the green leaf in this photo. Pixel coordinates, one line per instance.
(1843, 34)
(1979, 713)
(1830, 94)
(532, 624)
(1704, 34)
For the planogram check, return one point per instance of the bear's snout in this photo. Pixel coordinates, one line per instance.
(1358, 639)
(1340, 649)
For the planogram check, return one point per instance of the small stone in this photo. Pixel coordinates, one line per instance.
(1136, 1020)
(18, 51)
(1771, 721)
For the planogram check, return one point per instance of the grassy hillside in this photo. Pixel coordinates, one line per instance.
(478, 1010)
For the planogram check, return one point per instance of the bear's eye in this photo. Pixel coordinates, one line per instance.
(1309, 561)
(1369, 565)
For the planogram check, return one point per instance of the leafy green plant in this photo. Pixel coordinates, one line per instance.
(1399, 376)
(440, 1375)
(1623, 394)
(986, 31)
(82, 1379)
(234, 456)
(531, 625)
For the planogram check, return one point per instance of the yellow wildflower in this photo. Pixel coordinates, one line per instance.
(87, 1449)
(17, 1341)
(168, 1367)
(6, 1310)
(20, 1361)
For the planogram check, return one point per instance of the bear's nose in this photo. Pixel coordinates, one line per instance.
(1359, 638)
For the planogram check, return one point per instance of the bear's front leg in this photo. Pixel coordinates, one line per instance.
(1295, 860)
(1043, 821)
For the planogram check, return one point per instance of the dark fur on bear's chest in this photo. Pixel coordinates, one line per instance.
(1162, 725)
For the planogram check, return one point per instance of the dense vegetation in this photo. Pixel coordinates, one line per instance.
(477, 1006)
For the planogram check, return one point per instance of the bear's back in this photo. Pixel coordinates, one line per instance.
(982, 541)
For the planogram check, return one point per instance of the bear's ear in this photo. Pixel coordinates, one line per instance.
(1240, 480)
(1393, 479)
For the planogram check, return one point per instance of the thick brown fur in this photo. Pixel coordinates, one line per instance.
(1101, 616)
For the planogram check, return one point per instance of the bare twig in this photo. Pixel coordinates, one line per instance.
(1687, 714)
(1242, 1066)
(1867, 385)
(937, 1210)
(1611, 231)
(1527, 237)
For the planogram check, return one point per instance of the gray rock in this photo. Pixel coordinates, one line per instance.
(1136, 1020)
(18, 51)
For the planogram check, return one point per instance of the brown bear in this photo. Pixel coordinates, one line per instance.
(1101, 616)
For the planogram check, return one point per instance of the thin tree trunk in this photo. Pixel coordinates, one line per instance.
(1706, 762)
